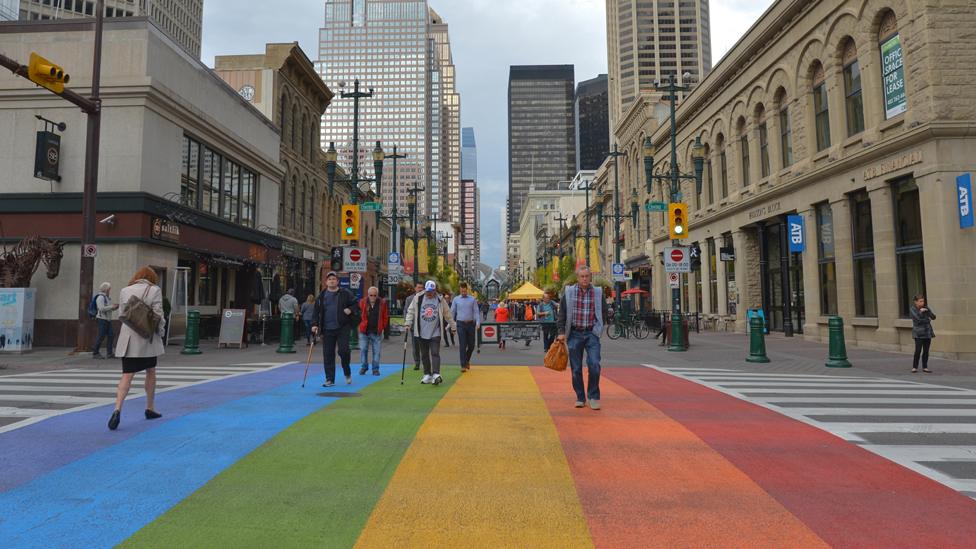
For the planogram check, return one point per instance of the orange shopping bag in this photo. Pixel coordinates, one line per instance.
(558, 356)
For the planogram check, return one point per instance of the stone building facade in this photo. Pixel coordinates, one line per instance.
(855, 116)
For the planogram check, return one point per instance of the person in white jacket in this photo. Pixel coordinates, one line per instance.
(139, 353)
(425, 318)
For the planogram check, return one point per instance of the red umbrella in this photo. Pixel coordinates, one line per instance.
(635, 291)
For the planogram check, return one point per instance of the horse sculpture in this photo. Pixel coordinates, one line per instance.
(18, 265)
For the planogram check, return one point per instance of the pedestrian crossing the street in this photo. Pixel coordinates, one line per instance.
(31, 397)
(930, 429)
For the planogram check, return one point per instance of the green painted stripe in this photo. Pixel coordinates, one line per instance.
(313, 485)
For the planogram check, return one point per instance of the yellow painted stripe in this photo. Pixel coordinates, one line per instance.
(486, 469)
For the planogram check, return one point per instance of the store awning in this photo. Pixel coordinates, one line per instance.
(527, 292)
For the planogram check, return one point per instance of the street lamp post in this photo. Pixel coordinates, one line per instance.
(412, 209)
(674, 178)
(394, 209)
(355, 95)
(562, 227)
(616, 216)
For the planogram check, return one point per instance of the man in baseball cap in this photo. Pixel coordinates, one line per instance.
(426, 316)
(335, 314)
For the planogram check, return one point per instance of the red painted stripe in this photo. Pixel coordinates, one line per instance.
(646, 481)
(847, 495)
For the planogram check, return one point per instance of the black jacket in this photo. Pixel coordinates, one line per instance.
(346, 301)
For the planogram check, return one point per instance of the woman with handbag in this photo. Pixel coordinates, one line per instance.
(140, 339)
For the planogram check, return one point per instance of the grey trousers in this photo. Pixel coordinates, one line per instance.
(415, 346)
(430, 354)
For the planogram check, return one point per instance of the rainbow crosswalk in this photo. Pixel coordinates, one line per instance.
(497, 457)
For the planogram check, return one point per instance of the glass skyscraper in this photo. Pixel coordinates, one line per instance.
(592, 123)
(541, 132)
(399, 49)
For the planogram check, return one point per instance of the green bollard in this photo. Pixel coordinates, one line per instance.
(287, 340)
(837, 357)
(677, 334)
(191, 343)
(757, 341)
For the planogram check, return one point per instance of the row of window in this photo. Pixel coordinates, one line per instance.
(908, 251)
(215, 184)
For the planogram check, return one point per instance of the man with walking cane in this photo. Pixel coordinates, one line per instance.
(335, 312)
(425, 319)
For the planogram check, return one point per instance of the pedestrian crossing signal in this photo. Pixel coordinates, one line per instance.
(45, 73)
(678, 220)
(350, 222)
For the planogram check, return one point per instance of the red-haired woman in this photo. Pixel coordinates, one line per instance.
(139, 353)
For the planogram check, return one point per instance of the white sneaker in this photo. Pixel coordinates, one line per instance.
(426, 379)
(437, 379)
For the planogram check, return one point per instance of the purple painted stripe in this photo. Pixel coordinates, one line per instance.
(37, 449)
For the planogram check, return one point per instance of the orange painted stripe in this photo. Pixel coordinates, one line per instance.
(646, 481)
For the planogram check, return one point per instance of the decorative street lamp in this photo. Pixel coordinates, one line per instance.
(674, 178)
(412, 209)
(616, 216)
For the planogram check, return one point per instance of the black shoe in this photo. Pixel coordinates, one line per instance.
(113, 422)
(153, 414)
(416, 367)
(376, 372)
(98, 356)
(362, 370)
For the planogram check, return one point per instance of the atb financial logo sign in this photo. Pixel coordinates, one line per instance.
(964, 191)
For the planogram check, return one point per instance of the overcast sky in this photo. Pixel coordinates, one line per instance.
(487, 36)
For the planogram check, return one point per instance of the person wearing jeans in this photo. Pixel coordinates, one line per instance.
(580, 323)
(427, 314)
(103, 303)
(465, 311)
(336, 311)
(922, 332)
(308, 316)
(374, 316)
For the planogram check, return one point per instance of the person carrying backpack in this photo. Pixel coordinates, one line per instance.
(101, 309)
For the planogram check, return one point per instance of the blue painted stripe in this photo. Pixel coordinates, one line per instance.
(101, 500)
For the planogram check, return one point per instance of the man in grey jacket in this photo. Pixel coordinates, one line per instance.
(105, 307)
(580, 323)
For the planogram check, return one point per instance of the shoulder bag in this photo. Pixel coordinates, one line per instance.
(139, 316)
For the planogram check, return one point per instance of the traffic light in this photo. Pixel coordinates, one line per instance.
(350, 222)
(45, 73)
(678, 220)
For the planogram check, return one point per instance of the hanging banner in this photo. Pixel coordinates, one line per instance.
(964, 192)
(794, 224)
(407, 256)
(893, 77)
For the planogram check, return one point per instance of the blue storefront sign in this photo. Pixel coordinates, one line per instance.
(964, 192)
(794, 224)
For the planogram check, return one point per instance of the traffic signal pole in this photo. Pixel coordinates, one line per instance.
(92, 107)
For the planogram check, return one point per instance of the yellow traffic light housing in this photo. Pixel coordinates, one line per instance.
(350, 222)
(678, 220)
(45, 73)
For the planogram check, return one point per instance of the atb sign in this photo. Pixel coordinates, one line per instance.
(354, 260)
(795, 224)
(677, 260)
(964, 191)
(619, 275)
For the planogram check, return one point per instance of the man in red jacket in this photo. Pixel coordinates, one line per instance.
(374, 316)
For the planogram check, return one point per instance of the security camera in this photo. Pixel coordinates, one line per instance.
(110, 220)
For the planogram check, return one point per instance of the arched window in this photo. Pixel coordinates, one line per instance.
(763, 134)
(284, 114)
(294, 124)
(821, 111)
(744, 150)
(304, 203)
(853, 101)
(294, 198)
(785, 129)
(313, 143)
(892, 67)
(723, 165)
(311, 212)
(709, 183)
(304, 133)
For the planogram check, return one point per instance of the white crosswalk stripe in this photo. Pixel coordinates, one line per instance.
(928, 428)
(31, 397)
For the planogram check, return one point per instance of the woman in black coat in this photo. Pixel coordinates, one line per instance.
(922, 332)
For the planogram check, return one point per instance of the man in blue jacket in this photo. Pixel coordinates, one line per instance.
(336, 312)
(580, 324)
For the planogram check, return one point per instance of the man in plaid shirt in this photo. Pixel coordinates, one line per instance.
(580, 324)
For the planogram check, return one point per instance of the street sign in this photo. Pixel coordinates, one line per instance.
(489, 333)
(674, 280)
(964, 190)
(393, 258)
(371, 207)
(677, 260)
(393, 278)
(354, 260)
(656, 207)
(797, 242)
(618, 272)
(91, 250)
(726, 254)
(354, 280)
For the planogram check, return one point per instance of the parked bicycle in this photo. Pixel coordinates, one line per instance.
(626, 325)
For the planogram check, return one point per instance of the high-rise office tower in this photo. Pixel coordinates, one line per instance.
(649, 39)
(592, 111)
(470, 211)
(8, 10)
(401, 50)
(469, 155)
(182, 20)
(541, 131)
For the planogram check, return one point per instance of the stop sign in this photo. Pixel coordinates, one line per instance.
(677, 255)
(354, 255)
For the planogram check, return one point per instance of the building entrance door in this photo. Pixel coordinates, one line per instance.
(779, 288)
